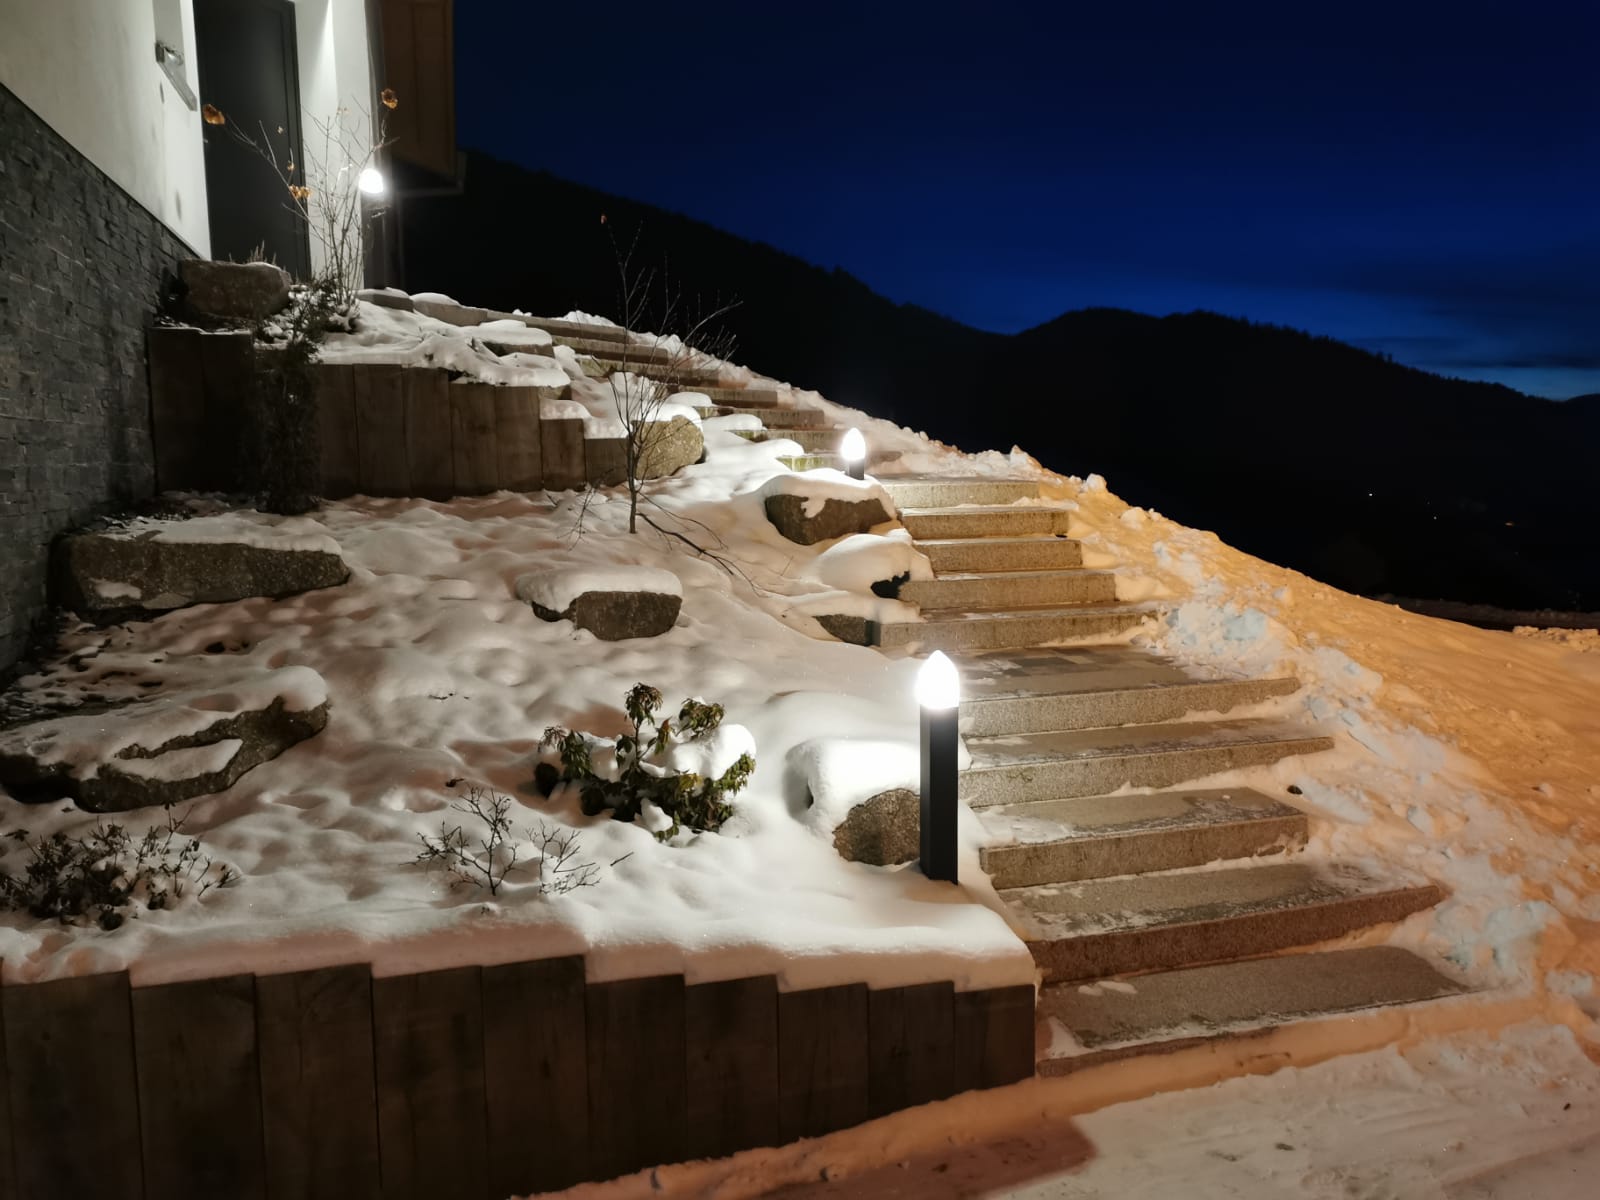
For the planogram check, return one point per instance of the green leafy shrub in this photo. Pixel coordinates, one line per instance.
(104, 874)
(688, 799)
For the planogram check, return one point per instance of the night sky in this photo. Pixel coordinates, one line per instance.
(1419, 179)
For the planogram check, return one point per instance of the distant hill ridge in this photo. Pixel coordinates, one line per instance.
(1373, 475)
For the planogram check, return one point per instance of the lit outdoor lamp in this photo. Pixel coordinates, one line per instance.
(939, 694)
(371, 182)
(853, 449)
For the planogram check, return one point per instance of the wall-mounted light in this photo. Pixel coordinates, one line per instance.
(853, 449)
(938, 691)
(371, 182)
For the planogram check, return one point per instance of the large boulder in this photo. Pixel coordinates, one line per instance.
(234, 291)
(167, 749)
(117, 574)
(669, 446)
(613, 603)
(883, 830)
(818, 506)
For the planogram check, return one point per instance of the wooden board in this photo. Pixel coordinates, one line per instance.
(477, 459)
(605, 461)
(177, 407)
(731, 1036)
(636, 1074)
(429, 453)
(912, 1034)
(993, 1037)
(227, 362)
(199, 1090)
(318, 1098)
(69, 1054)
(428, 1036)
(516, 418)
(822, 1060)
(8, 1178)
(536, 1073)
(336, 408)
(384, 463)
(562, 450)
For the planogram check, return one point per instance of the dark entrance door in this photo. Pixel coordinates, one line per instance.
(245, 55)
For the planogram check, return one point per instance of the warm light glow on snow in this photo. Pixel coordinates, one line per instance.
(938, 683)
(371, 182)
(852, 447)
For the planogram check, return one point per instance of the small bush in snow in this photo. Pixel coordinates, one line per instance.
(686, 798)
(486, 858)
(102, 875)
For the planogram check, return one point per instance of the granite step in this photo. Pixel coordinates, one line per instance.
(983, 521)
(817, 441)
(939, 491)
(1159, 922)
(1092, 837)
(1010, 590)
(1080, 687)
(1001, 553)
(985, 629)
(1060, 764)
(1081, 1026)
(732, 396)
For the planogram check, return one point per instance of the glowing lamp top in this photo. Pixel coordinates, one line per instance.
(938, 683)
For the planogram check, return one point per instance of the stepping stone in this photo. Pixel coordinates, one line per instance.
(1173, 1010)
(983, 521)
(1092, 837)
(994, 630)
(1010, 590)
(1059, 764)
(1186, 918)
(934, 491)
(956, 555)
(1030, 691)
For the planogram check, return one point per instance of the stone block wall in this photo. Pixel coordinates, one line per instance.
(81, 265)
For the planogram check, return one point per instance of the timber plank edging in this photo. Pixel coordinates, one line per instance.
(468, 1082)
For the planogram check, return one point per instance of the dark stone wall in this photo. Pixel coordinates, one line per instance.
(81, 265)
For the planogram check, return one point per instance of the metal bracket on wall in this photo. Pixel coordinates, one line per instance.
(171, 61)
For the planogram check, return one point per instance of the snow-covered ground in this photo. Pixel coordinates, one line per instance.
(1470, 756)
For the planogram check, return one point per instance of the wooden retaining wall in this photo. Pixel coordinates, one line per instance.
(475, 1083)
(385, 430)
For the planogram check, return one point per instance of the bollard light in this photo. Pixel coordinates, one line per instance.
(938, 693)
(371, 182)
(853, 449)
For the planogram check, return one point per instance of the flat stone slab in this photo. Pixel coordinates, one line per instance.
(1174, 1009)
(166, 749)
(123, 573)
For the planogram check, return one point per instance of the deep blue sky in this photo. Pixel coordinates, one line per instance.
(1418, 178)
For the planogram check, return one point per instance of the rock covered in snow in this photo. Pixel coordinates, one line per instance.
(818, 506)
(386, 298)
(442, 308)
(883, 830)
(114, 574)
(612, 602)
(234, 291)
(669, 446)
(167, 749)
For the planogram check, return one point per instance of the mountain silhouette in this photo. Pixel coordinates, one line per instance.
(1376, 477)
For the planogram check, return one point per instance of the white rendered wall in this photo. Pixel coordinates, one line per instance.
(88, 69)
(335, 77)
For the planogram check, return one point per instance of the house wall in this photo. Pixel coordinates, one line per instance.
(81, 263)
(88, 69)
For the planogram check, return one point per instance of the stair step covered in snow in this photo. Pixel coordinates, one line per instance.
(1083, 1025)
(1059, 764)
(1093, 837)
(1185, 918)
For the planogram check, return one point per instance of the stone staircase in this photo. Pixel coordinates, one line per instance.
(1161, 916)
